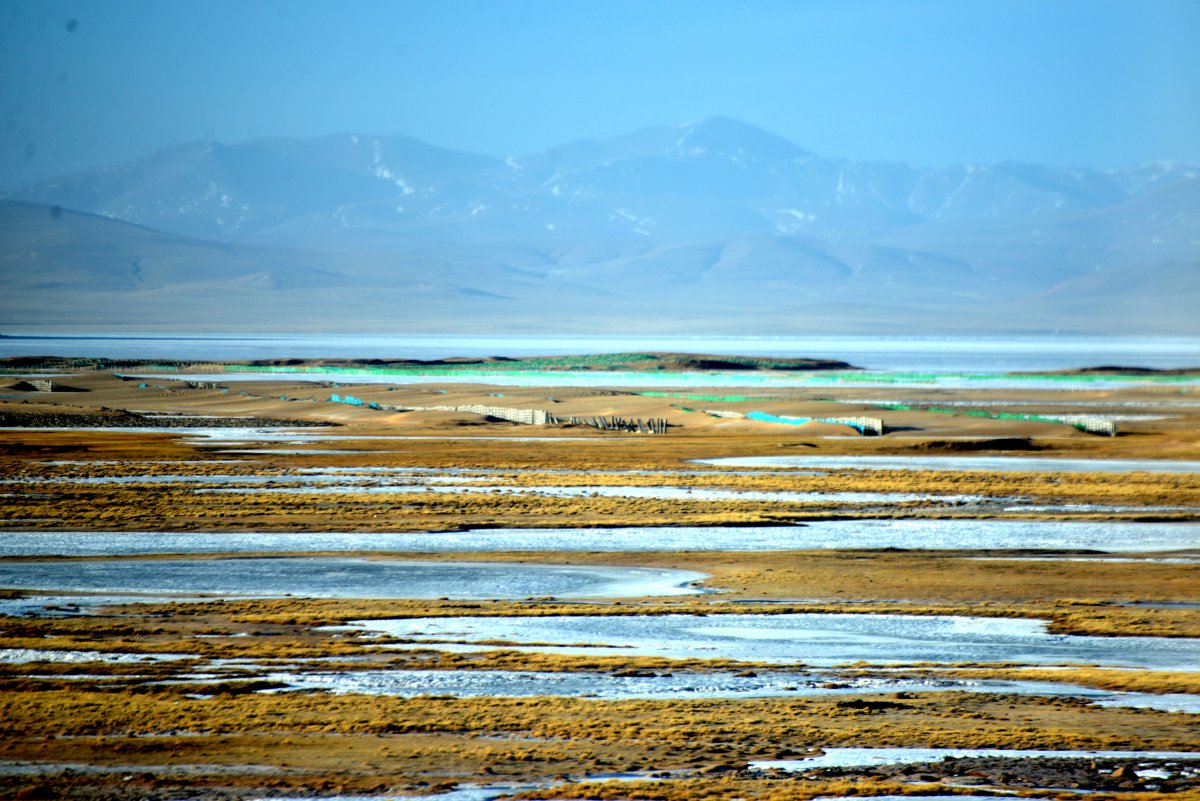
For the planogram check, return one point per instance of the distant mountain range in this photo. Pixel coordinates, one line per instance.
(713, 227)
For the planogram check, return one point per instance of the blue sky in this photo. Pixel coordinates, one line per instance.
(1096, 83)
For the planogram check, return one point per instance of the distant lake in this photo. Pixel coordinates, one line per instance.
(895, 354)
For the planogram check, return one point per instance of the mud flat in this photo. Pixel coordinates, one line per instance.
(1051, 606)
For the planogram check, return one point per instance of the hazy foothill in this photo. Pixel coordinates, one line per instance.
(654, 231)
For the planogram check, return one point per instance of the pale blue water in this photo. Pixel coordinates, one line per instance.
(922, 534)
(965, 463)
(490, 792)
(903, 354)
(676, 684)
(319, 577)
(804, 639)
(863, 757)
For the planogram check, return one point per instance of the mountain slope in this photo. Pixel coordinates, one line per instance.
(214, 190)
(717, 175)
(48, 248)
(68, 269)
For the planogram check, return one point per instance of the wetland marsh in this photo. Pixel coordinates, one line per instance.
(408, 600)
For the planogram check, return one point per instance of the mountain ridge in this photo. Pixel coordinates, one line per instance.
(712, 220)
(241, 189)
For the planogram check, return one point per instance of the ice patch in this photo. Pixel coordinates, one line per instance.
(866, 757)
(812, 639)
(24, 656)
(346, 578)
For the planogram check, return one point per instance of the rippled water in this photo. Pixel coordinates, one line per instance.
(814, 639)
(345, 578)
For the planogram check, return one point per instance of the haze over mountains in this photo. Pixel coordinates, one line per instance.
(712, 227)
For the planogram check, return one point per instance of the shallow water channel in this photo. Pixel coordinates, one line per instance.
(690, 684)
(614, 686)
(914, 534)
(345, 578)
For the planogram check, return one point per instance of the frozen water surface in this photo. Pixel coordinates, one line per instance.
(981, 463)
(687, 684)
(915, 534)
(865, 757)
(609, 686)
(1168, 702)
(345, 578)
(489, 793)
(307, 477)
(24, 656)
(1097, 508)
(813, 639)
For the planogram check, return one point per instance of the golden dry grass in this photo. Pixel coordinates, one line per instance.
(369, 744)
(38, 455)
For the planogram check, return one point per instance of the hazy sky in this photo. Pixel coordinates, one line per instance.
(1093, 83)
